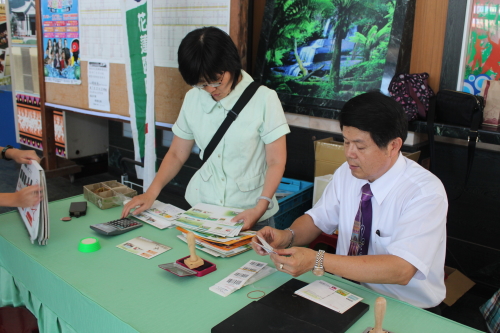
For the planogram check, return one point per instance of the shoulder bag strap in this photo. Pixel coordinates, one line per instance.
(477, 118)
(230, 117)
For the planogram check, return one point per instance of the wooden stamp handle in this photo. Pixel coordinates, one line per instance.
(380, 306)
(192, 246)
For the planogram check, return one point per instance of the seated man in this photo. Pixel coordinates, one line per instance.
(28, 196)
(389, 211)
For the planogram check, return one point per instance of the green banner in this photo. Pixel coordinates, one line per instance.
(137, 44)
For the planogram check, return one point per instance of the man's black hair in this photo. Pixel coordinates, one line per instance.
(206, 53)
(378, 114)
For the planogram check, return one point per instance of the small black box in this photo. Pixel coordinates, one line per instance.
(78, 209)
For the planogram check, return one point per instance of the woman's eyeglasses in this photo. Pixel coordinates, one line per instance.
(213, 85)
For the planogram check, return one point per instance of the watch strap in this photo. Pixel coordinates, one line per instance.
(319, 259)
(5, 150)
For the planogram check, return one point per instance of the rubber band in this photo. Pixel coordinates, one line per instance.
(264, 294)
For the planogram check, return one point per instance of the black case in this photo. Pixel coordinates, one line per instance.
(77, 209)
(283, 311)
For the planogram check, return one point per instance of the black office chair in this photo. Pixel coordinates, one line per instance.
(17, 320)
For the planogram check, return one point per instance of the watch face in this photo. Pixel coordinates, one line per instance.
(318, 271)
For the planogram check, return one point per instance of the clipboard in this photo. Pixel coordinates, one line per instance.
(283, 311)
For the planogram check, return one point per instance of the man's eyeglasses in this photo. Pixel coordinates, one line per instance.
(213, 85)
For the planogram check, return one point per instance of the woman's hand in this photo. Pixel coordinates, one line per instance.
(22, 156)
(27, 197)
(249, 217)
(140, 203)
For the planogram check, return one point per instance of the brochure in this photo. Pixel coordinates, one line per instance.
(160, 215)
(36, 218)
(143, 247)
(211, 219)
(328, 295)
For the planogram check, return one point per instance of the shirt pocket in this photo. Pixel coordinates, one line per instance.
(206, 173)
(381, 243)
(250, 184)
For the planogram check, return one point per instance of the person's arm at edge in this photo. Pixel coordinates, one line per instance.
(276, 161)
(175, 158)
(26, 197)
(20, 156)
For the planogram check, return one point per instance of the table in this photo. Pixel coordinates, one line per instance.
(112, 290)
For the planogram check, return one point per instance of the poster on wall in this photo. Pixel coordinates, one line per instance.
(482, 57)
(61, 42)
(29, 122)
(5, 79)
(22, 22)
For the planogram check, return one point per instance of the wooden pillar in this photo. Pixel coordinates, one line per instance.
(48, 141)
(428, 39)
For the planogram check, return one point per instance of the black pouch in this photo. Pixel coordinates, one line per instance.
(459, 108)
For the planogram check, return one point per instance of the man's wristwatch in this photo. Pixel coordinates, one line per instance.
(3, 152)
(318, 268)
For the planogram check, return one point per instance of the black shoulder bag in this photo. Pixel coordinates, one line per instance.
(230, 117)
(456, 108)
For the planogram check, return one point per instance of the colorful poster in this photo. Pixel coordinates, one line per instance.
(29, 122)
(22, 22)
(61, 41)
(483, 45)
(5, 79)
(139, 65)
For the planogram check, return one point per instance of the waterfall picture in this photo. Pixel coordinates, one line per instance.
(329, 49)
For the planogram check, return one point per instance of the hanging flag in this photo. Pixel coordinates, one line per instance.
(139, 64)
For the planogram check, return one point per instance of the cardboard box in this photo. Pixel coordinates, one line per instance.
(456, 284)
(329, 156)
(108, 194)
(320, 184)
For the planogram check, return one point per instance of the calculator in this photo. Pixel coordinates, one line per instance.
(116, 227)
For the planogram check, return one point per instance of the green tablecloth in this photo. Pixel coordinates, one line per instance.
(112, 290)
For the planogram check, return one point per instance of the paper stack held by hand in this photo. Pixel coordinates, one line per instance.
(35, 218)
(160, 215)
(214, 231)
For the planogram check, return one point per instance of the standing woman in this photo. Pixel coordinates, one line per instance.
(246, 167)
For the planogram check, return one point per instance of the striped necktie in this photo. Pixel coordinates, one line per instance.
(362, 224)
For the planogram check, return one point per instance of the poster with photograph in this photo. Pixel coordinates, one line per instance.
(482, 59)
(22, 22)
(61, 42)
(321, 53)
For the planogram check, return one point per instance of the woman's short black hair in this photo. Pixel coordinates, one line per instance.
(377, 114)
(206, 53)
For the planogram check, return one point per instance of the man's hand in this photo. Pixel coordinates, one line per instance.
(22, 156)
(27, 197)
(249, 217)
(278, 239)
(140, 203)
(294, 261)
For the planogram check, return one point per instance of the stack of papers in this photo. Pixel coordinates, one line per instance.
(160, 215)
(36, 218)
(214, 232)
(210, 219)
(220, 246)
(243, 276)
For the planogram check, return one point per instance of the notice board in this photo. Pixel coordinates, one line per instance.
(101, 36)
